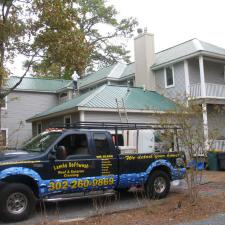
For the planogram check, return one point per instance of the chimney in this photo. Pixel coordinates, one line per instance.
(144, 53)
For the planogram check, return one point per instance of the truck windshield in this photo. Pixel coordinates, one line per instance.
(41, 142)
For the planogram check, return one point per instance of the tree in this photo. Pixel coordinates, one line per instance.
(79, 34)
(191, 139)
(13, 41)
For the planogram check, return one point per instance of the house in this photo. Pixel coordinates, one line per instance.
(32, 96)
(190, 71)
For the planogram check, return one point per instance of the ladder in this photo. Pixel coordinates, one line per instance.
(121, 110)
(122, 114)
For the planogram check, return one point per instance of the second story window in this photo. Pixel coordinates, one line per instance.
(63, 97)
(169, 77)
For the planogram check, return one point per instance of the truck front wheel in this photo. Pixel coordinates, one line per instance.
(157, 185)
(17, 202)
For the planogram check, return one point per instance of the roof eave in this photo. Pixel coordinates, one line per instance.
(30, 90)
(81, 108)
(159, 66)
(200, 52)
(38, 118)
(91, 84)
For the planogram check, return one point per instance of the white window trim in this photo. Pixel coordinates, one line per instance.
(4, 108)
(7, 136)
(165, 80)
(66, 117)
(37, 127)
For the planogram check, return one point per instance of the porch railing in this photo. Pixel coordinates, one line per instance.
(218, 145)
(212, 90)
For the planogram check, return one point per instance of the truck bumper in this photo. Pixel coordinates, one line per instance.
(178, 174)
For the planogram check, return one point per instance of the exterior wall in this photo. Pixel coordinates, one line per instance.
(20, 107)
(114, 117)
(214, 72)
(194, 73)
(216, 120)
(178, 91)
(59, 120)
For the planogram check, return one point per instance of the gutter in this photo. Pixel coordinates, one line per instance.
(51, 115)
(89, 109)
(198, 53)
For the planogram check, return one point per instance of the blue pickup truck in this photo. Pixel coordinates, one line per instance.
(78, 162)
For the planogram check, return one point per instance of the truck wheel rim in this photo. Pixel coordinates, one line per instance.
(159, 185)
(16, 203)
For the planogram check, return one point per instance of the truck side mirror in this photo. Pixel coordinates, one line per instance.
(51, 157)
(52, 154)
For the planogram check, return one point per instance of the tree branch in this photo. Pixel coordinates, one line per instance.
(29, 64)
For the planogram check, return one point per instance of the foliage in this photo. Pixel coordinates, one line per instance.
(192, 141)
(75, 35)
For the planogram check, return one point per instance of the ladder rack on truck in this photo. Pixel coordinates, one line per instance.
(118, 126)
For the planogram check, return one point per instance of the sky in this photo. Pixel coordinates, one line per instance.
(176, 21)
(172, 21)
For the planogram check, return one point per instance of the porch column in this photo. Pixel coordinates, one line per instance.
(187, 81)
(202, 76)
(204, 105)
(81, 114)
(205, 126)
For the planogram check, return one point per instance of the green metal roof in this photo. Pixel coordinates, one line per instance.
(37, 84)
(96, 76)
(105, 97)
(129, 70)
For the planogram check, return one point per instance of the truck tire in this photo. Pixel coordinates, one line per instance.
(157, 185)
(17, 202)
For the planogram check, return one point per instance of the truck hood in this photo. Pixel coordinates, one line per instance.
(17, 155)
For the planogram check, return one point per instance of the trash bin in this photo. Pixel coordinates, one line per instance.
(213, 161)
(221, 159)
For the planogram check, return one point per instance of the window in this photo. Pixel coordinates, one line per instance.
(41, 142)
(4, 138)
(67, 120)
(39, 128)
(120, 139)
(63, 95)
(169, 76)
(4, 103)
(74, 144)
(101, 144)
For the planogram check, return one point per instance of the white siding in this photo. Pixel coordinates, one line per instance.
(21, 106)
(176, 92)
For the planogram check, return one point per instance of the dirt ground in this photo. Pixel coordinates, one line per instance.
(174, 209)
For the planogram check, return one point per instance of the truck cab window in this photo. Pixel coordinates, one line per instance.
(101, 144)
(74, 144)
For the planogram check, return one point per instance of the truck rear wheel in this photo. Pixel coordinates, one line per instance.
(17, 202)
(157, 185)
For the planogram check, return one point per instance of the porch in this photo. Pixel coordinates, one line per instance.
(211, 91)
